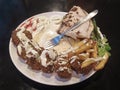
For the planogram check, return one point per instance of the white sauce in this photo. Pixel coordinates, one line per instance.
(84, 54)
(62, 68)
(19, 49)
(95, 59)
(43, 57)
(62, 62)
(73, 58)
(85, 40)
(34, 53)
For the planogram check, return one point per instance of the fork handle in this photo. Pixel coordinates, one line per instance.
(86, 18)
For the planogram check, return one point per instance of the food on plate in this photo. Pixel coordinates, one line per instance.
(102, 63)
(73, 16)
(62, 67)
(81, 51)
(75, 64)
(47, 60)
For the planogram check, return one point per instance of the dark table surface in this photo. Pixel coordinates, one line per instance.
(13, 12)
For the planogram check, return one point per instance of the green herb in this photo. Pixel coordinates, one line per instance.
(103, 45)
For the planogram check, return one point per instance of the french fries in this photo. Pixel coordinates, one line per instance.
(87, 52)
(87, 63)
(77, 46)
(102, 63)
(95, 50)
(83, 56)
(84, 47)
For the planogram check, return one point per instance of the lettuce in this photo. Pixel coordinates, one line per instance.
(103, 45)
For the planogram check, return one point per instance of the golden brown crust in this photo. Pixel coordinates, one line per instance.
(63, 68)
(28, 34)
(22, 54)
(75, 65)
(48, 69)
(34, 64)
(15, 39)
(64, 74)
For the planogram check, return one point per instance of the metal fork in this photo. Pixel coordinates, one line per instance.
(55, 41)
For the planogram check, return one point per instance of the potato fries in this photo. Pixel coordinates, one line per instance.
(87, 51)
(83, 56)
(87, 63)
(77, 46)
(84, 47)
(102, 63)
(95, 50)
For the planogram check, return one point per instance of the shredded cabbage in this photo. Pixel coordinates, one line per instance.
(103, 45)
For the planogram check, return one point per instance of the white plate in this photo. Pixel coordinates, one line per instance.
(38, 76)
